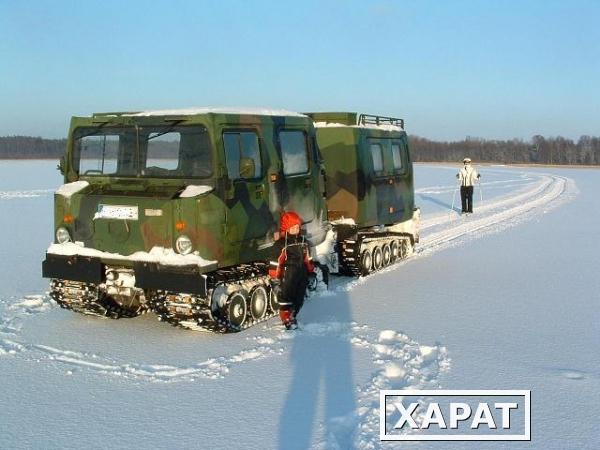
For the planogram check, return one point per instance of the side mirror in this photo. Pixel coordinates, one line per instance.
(247, 168)
(61, 165)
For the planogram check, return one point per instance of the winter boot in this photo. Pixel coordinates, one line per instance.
(286, 318)
(293, 324)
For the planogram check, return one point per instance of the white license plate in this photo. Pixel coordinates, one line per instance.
(153, 212)
(117, 212)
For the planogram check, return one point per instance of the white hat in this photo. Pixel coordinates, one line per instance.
(467, 160)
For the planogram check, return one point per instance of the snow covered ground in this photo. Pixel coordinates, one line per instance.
(504, 299)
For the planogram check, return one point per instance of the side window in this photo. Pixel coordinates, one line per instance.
(195, 156)
(377, 156)
(163, 152)
(98, 154)
(405, 152)
(242, 154)
(397, 158)
(293, 152)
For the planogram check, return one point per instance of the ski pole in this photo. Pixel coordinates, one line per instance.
(454, 197)
(480, 192)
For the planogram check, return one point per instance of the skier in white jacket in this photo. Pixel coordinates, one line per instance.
(467, 177)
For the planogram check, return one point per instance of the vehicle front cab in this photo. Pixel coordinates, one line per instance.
(172, 196)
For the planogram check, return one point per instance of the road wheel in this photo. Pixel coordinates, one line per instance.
(394, 250)
(377, 258)
(236, 309)
(366, 262)
(259, 301)
(273, 301)
(387, 254)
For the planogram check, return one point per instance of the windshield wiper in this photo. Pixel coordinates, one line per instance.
(168, 130)
(96, 131)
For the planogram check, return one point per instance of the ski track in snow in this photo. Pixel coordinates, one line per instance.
(500, 184)
(400, 362)
(445, 230)
(549, 192)
(10, 195)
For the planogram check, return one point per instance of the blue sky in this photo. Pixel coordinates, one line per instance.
(493, 69)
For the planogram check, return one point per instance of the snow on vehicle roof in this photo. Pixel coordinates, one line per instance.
(370, 126)
(216, 110)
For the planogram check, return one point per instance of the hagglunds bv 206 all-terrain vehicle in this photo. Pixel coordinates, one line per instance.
(175, 211)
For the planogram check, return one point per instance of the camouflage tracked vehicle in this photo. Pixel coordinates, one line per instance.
(174, 211)
(370, 191)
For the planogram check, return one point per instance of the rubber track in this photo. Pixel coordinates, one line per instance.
(352, 249)
(85, 298)
(202, 319)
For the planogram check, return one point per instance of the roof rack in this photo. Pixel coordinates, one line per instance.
(113, 114)
(368, 119)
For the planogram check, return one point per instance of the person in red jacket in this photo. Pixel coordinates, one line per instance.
(291, 268)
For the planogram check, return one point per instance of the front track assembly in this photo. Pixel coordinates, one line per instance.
(238, 297)
(87, 298)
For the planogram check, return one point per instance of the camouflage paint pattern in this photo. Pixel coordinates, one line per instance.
(354, 190)
(233, 223)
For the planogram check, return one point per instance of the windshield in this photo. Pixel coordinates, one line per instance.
(149, 151)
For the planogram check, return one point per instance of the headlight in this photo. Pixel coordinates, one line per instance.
(183, 245)
(62, 235)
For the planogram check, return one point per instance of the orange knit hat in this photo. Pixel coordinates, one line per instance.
(288, 220)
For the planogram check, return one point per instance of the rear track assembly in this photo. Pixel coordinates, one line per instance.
(372, 251)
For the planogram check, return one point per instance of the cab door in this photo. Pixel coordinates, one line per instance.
(381, 195)
(404, 197)
(249, 219)
(297, 192)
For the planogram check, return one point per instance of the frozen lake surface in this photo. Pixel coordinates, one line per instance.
(507, 298)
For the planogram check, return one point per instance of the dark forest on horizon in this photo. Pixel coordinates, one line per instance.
(538, 150)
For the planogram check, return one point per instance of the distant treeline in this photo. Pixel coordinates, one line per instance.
(27, 147)
(539, 150)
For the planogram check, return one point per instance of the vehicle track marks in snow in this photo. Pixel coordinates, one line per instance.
(211, 368)
(10, 195)
(529, 192)
(11, 317)
(33, 304)
(441, 231)
(260, 347)
(500, 214)
(268, 344)
(503, 184)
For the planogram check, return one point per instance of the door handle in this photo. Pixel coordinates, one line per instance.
(259, 191)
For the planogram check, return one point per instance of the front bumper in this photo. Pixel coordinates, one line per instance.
(86, 269)
(180, 279)
(148, 275)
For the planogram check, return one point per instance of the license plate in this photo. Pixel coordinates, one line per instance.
(153, 212)
(117, 212)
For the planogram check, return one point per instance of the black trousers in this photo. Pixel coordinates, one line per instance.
(466, 197)
(293, 288)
